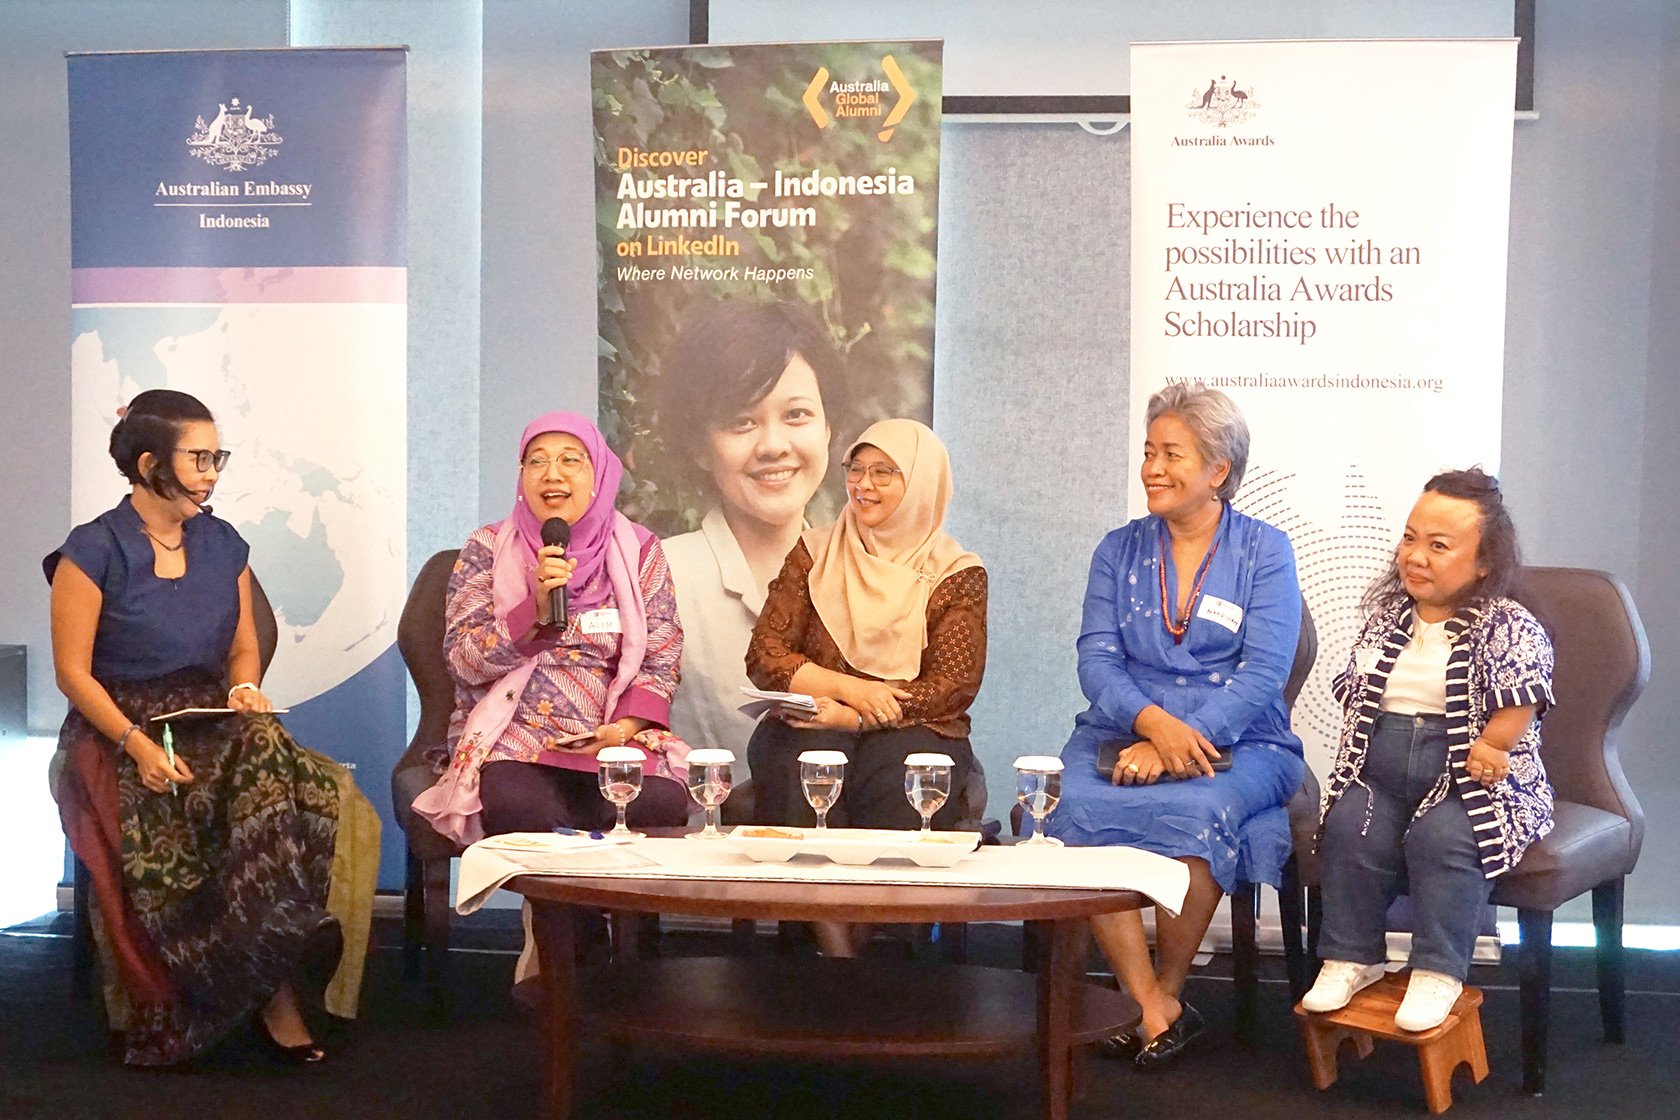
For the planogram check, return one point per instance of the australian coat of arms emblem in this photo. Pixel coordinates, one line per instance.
(1222, 103)
(236, 139)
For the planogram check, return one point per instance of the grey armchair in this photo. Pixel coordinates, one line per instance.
(426, 897)
(1603, 664)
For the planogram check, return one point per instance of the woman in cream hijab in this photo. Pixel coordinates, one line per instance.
(882, 618)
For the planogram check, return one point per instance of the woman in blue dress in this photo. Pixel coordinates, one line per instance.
(1191, 619)
(212, 854)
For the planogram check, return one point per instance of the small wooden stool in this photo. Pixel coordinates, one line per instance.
(1370, 1015)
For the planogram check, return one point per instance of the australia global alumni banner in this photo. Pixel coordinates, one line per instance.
(767, 218)
(1319, 230)
(238, 224)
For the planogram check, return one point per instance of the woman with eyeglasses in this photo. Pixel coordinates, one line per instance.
(213, 843)
(881, 617)
(536, 701)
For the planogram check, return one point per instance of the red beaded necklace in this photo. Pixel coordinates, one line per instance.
(1179, 628)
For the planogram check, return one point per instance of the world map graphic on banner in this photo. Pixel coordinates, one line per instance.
(312, 485)
(767, 217)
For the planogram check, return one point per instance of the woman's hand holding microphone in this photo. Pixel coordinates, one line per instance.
(553, 571)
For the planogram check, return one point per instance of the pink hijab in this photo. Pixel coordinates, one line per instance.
(594, 529)
(608, 548)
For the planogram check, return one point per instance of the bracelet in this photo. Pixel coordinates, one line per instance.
(240, 685)
(122, 742)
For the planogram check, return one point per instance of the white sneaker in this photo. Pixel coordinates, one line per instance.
(1338, 982)
(1429, 998)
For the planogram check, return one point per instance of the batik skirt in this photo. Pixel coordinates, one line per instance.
(214, 896)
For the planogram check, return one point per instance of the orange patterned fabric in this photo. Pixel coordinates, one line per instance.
(789, 634)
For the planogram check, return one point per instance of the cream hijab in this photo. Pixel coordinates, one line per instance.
(871, 586)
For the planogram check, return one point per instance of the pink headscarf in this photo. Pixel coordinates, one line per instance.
(589, 584)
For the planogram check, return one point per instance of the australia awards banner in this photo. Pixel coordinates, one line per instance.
(767, 217)
(1334, 259)
(238, 221)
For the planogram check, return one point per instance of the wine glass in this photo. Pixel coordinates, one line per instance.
(708, 783)
(1038, 786)
(927, 783)
(620, 778)
(821, 774)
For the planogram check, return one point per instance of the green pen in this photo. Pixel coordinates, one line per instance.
(169, 753)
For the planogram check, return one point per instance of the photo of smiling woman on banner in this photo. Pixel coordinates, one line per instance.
(755, 385)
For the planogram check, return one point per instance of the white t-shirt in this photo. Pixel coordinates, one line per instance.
(1418, 684)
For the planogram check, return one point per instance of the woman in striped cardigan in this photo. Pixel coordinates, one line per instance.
(1438, 785)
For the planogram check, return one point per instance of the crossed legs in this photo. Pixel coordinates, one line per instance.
(1155, 984)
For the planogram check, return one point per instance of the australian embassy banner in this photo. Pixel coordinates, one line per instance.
(767, 220)
(1319, 229)
(238, 223)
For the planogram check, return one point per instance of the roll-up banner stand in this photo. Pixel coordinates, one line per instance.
(238, 227)
(767, 218)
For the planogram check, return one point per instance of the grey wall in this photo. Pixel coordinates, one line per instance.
(538, 349)
(1030, 395)
(445, 123)
(1656, 573)
(1591, 402)
(1031, 377)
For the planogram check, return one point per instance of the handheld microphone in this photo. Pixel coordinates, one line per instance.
(556, 531)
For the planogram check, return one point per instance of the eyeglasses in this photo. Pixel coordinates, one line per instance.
(880, 474)
(568, 464)
(203, 460)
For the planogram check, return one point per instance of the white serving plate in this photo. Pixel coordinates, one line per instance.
(764, 849)
(858, 847)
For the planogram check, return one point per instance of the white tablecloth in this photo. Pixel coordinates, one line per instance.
(493, 861)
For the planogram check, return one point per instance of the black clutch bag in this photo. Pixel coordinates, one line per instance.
(1108, 757)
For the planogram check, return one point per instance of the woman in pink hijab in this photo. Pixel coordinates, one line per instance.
(535, 702)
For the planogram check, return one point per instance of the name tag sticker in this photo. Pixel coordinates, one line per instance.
(1215, 609)
(603, 621)
(1365, 658)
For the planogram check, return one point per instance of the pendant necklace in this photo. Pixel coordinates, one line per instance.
(178, 546)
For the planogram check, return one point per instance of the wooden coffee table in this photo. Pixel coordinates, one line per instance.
(824, 1008)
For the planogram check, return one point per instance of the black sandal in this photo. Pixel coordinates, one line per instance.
(1123, 1043)
(1171, 1042)
(305, 1054)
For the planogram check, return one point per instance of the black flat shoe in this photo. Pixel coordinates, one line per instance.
(1123, 1043)
(306, 1054)
(1171, 1042)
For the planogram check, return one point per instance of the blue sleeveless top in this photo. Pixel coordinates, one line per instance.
(150, 627)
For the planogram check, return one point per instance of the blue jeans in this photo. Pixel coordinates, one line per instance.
(1433, 859)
